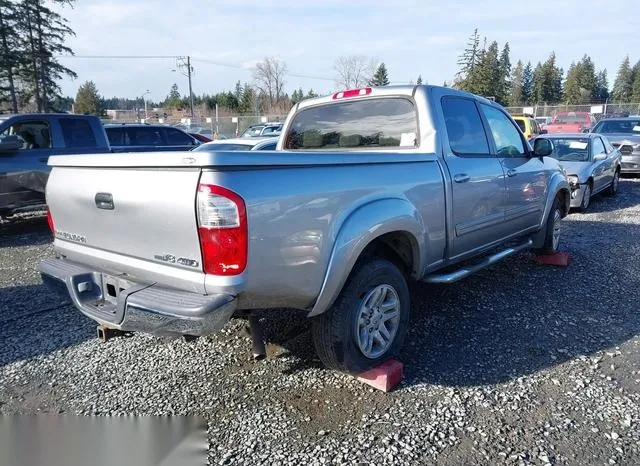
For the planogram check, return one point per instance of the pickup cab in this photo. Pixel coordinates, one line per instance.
(369, 189)
(26, 143)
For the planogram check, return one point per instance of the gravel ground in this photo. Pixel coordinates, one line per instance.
(520, 364)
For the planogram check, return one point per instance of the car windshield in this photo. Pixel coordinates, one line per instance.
(618, 126)
(569, 118)
(521, 125)
(220, 147)
(570, 149)
(252, 131)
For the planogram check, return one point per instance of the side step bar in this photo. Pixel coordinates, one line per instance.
(469, 270)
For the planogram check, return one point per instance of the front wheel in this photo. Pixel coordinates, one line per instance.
(552, 229)
(612, 190)
(368, 322)
(586, 197)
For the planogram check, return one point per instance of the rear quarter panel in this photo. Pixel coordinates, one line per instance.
(295, 215)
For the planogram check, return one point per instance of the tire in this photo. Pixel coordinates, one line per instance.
(552, 229)
(612, 190)
(586, 197)
(341, 334)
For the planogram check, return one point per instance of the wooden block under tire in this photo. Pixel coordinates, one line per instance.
(385, 377)
(561, 259)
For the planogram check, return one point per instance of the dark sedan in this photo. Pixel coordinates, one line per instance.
(624, 134)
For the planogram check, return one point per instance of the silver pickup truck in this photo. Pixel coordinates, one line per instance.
(368, 190)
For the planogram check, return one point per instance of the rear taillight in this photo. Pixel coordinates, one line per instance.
(50, 221)
(222, 227)
(352, 93)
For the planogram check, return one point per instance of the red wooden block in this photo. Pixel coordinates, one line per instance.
(562, 259)
(384, 377)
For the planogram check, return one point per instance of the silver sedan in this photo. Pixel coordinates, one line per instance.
(592, 164)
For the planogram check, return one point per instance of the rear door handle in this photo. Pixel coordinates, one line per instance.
(511, 173)
(461, 178)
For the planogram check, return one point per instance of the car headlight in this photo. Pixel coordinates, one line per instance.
(573, 181)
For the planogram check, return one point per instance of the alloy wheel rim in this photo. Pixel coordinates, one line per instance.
(556, 229)
(377, 321)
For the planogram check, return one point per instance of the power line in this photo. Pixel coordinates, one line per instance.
(194, 59)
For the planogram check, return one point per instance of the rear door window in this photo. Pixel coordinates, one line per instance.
(77, 133)
(178, 138)
(116, 136)
(359, 124)
(139, 136)
(464, 127)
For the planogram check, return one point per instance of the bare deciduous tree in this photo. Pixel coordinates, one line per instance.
(269, 78)
(354, 71)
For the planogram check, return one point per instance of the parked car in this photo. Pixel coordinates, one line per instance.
(268, 143)
(593, 165)
(571, 122)
(367, 190)
(262, 130)
(148, 138)
(201, 137)
(26, 142)
(528, 125)
(624, 134)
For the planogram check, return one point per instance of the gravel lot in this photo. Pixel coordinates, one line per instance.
(520, 364)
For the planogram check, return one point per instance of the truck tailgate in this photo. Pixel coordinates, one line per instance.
(146, 216)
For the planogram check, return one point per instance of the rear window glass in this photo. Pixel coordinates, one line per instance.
(370, 123)
(521, 125)
(571, 118)
(77, 133)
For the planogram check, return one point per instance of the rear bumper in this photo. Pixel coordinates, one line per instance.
(137, 307)
(630, 163)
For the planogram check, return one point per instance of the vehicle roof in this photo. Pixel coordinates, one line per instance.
(271, 123)
(245, 141)
(400, 89)
(139, 125)
(570, 135)
(5, 116)
(620, 118)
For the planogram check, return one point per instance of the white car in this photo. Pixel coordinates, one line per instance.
(268, 143)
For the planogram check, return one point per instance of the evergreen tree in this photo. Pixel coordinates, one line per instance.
(516, 92)
(547, 81)
(173, 100)
(311, 94)
(527, 84)
(297, 96)
(380, 77)
(635, 88)
(602, 87)
(623, 84)
(587, 79)
(88, 99)
(487, 74)
(572, 94)
(504, 83)
(537, 84)
(468, 61)
(46, 33)
(419, 81)
(247, 100)
(9, 45)
(238, 91)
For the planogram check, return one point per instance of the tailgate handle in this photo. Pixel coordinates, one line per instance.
(104, 201)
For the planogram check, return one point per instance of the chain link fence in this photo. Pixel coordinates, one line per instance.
(224, 127)
(598, 110)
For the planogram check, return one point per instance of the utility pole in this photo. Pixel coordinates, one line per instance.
(186, 63)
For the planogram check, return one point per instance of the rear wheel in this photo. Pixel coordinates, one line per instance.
(612, 190)
(368, 322)
(552, 229)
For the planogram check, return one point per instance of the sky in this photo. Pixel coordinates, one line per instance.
(225, 38)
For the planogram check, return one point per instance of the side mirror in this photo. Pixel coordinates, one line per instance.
(10, 144)
(542, 147)
(599, 157)
(544, 131)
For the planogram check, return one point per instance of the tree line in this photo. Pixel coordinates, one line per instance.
(31, 35)
(487, 70)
